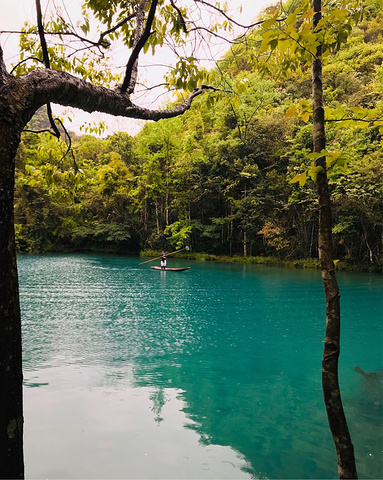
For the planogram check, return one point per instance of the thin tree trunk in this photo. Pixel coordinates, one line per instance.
(245, 232)
(157, 218)
(244, 243)
(312, 240)
(330, 384)
(11, 400)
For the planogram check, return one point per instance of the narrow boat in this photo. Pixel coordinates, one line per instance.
(168, 269)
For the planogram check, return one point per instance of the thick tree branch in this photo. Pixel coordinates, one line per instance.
(44, 86)
(46, 61)
(140, 19)
(3, 69)
(130, 72)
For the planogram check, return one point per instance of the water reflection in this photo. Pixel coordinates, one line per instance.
(159, 398)
(370, 397)
(229, 353)
(75, 429)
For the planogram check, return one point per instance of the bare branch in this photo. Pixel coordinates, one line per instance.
(52, 121)
(101, 42)
(221, 12)
(69, 149)
(214, 34)
(353, 119)
(46, 130)
(236, 120)
(248, 122)
(113, 29)
(13, 32)
(25, 60)
(147, 89)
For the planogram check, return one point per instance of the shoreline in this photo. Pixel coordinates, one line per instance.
(312, 263)
(308, 263)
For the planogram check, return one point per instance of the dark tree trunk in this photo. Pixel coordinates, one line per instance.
(11, 408)
(330, 384)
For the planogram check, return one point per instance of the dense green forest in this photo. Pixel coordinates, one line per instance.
(218, 179)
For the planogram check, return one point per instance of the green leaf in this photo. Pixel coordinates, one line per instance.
(266, 38)
(268, 23)
(284, 44)
(316, 155)
(301, 178)
(291, 18)
(273, 43)
(313, 172)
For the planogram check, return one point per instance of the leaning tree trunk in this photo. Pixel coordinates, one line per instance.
(11, 409)
(330, 384)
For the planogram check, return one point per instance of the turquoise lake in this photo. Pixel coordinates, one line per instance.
(214, 372)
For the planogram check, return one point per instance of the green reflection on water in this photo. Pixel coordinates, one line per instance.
(224, 357)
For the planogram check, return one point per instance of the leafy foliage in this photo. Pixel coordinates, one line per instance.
(220, 180)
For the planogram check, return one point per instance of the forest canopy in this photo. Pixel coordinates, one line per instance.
(218, 179)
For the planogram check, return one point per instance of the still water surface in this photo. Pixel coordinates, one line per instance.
(209, 373)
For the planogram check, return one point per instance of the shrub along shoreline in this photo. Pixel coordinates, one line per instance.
(268, 261)
(312, 263)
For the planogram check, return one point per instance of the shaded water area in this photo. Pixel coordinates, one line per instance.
(214, 372)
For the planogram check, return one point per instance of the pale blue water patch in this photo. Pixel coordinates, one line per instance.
(212, 372)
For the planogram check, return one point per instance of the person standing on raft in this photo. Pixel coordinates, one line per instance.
(163, 261)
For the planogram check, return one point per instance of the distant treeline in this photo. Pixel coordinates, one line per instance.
(217, 179)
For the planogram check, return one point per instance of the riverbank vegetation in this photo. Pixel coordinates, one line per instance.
(218, 180)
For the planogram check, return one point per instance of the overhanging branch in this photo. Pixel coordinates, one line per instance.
(44, 86)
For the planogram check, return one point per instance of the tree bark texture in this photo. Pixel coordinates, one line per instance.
(330, 383)
(11, 404)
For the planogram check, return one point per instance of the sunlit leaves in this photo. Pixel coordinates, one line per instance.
(270, 21)
(301, 178)
(302, 110)
(97, 128)
(313, 172)
(306, 116)
(290, 112)
(81, 48)
(186, 75)
(288, 40)
(60, 184)
(179, 233)
(356, 117)
(67, 56)
(332, 160)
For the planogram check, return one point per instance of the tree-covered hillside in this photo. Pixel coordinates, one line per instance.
(218, 179)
